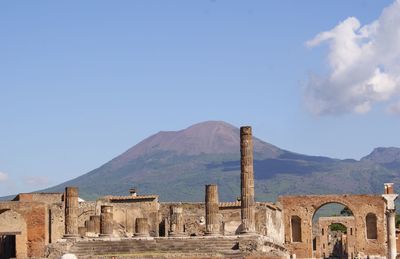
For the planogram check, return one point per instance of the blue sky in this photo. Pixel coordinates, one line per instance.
(82, 81)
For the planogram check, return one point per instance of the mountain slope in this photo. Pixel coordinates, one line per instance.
(177, 164)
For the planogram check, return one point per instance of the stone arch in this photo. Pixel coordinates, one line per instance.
(13, 222)
(371, 226)
(332, 200)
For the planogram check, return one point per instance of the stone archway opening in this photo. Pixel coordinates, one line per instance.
(332, 227)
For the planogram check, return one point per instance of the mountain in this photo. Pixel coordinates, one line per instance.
(386, 156)
(177, 164)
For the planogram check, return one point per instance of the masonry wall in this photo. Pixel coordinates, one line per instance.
(125, 214)
(268, 219)
(35, 215)
(306, 205)
(48, 198)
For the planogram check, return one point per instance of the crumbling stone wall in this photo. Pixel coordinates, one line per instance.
(35, 215)
(86, 209)
(305, 206)
(57, 226)
(268, 218)
(193, 216)
(48, 198)
(125, 214)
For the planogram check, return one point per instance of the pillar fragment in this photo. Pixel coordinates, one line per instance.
(71, 212)
(247, 181)
(176, 221)
(90, 226)
(212, 210)
(96, 221)
(141, 227)
(106, 221)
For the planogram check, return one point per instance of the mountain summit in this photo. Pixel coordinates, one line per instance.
(210, 137)
(384, 155)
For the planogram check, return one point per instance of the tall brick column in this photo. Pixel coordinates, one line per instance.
(71, 212)
(106, 221)
(390, 198)
(247, 181)
(176, 222)
(141, 227)
(212, 210)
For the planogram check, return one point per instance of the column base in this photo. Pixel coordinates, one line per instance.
(105, 235)
(71, 236)
(212, 234)
(176, 235)
(141, 235)
(247, 233)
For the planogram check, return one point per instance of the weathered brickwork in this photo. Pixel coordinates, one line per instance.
(324, 246)
(305, 206)
(33, 215)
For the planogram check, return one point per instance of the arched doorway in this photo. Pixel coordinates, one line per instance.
(13, 236)
(333, 225)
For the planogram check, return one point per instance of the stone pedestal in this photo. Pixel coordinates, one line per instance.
(71, 212)
(106, 221)
(141, 227)
(212, 210)
(176, 222)
(247, 181)
(96, 221)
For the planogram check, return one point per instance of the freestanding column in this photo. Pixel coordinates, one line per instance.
(390, 198)
(141, 227)
(212, 210)
(247, 181)
(176, 223)
(90, 226)
(71, 212)
(96, 220)
(106, 221)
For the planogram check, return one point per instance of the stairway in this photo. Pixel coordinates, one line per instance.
(159, 246)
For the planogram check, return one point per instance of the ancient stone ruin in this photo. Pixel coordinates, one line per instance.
(49, 225)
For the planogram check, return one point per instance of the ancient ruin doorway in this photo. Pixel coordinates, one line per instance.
(332, 230)
(7, 246)
(13, 235)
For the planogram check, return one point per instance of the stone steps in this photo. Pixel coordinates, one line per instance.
(170, 246)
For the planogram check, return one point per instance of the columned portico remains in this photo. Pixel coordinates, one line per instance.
(71, 212)
(106, 221)
(247, 181)
(390, 197)
(212, 210)
(176, 221)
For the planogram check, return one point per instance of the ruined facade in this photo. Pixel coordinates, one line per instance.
(51, 224)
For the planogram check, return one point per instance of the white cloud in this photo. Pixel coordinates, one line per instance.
(364, 66)
(3, 177)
